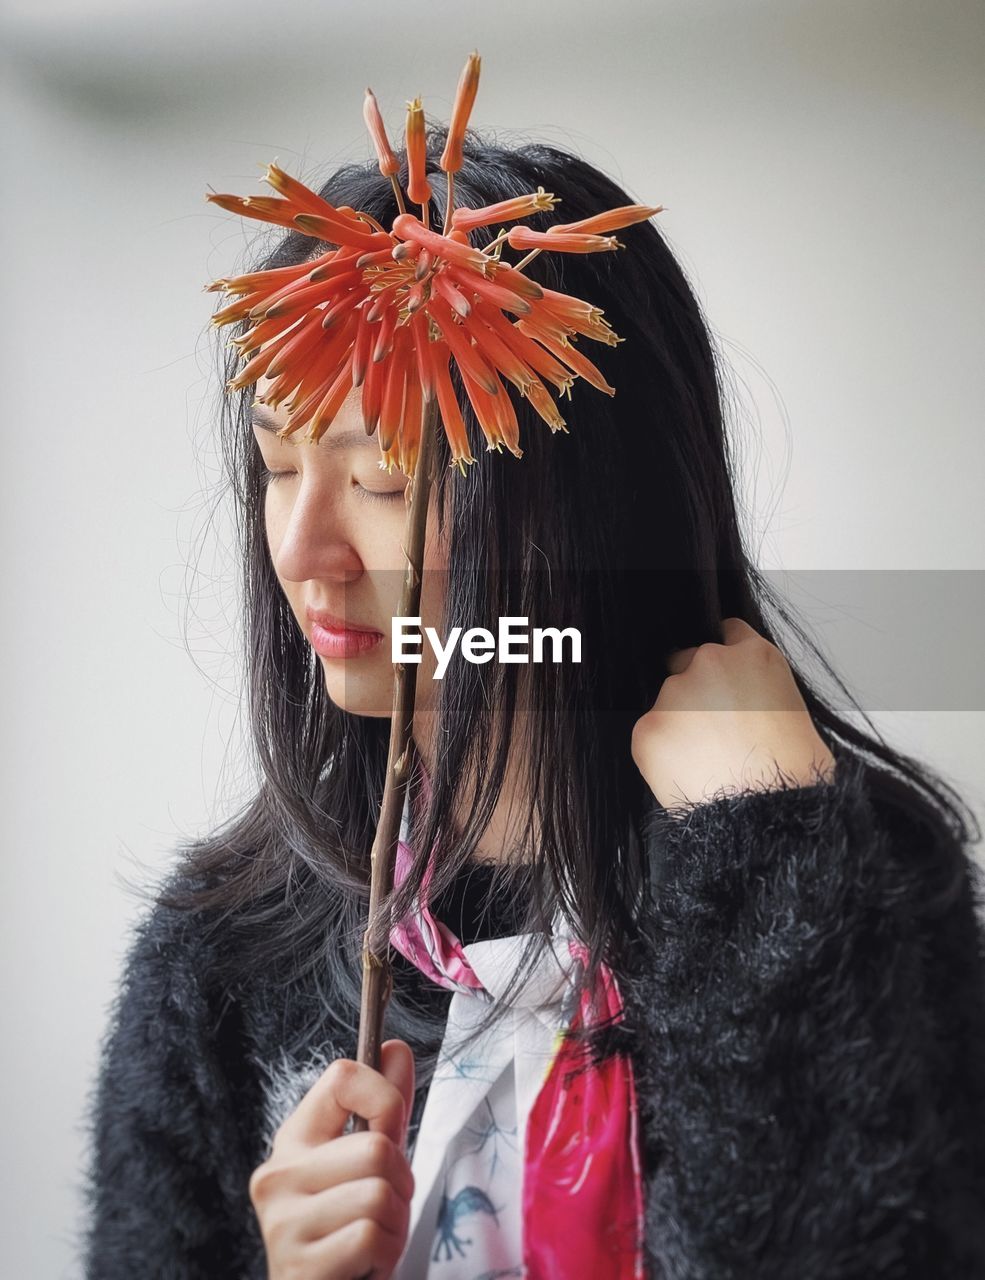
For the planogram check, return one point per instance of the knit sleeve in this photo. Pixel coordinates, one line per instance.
(812, 1005)
(168, 1177)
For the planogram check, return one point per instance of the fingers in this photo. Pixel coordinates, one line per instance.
(360, 1156)
(372, 1199)
(680, 659)
(736, 629)
(397, 1066)
(346, 1087)
(733, 631)
(362, 1249)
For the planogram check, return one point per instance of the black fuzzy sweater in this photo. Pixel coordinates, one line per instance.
(807, 1025)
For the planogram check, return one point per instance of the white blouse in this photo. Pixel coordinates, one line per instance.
(467, 1161)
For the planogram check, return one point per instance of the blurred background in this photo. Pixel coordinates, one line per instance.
(822, 168)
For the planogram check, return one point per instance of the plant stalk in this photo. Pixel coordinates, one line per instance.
(377, 974)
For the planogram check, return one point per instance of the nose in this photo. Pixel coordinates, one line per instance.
(314, 541)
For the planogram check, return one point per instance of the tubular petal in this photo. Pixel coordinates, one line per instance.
(543, 322)
(229, 315)
(407, 227)
(468, 85)
(510, 278)
(302, 407)
(303, 299)
(528, 350)
(418, 187)
(279, 387)
(336, 263)
(389, 165)
(445, 286)
(423, 264)
(278, 211)
(384, 339)
(302, 197)
(539, 397)
(361, 347)
(343, 306)
(315, 374)
(612, 220)
(384, 299)
(338, 232)
(491, 418)
(461, 346)
(504, 298)
(566, 242)
(392, 407)
(263, 281)
(417, 295)
(250, 372)
(503, 358)
(373, 388)
(540, 201)
(590, 322)
(378, 258)
(570, 307)
(484, 415)
(409, 435)
(405, 251)
(508, 423)
(421, 341)
(329, 407)
(298, 343)
(581, 364)
(448, 406)
(259, 334)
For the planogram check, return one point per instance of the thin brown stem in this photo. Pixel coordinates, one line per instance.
(518, 266)
(398, 194)
(377, 974)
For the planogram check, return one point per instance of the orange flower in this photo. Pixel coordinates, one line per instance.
(385, 312)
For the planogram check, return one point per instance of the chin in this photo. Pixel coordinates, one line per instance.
(368, 693)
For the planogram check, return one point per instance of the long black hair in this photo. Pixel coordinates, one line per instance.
(625, 527)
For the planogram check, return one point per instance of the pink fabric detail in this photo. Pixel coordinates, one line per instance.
(422, 938)
(583, 1184)
(425, 941)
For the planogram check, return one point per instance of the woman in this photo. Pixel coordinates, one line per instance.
(786, 902)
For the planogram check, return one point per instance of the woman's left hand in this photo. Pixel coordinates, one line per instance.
(727, 715)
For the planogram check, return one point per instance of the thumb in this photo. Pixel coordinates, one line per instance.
(397, 1066)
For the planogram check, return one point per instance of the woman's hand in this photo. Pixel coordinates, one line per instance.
(727, 715)
(334, 1206)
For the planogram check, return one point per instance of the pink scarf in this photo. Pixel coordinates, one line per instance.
(582, 1202)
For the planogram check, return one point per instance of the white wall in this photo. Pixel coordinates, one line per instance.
(821, 167)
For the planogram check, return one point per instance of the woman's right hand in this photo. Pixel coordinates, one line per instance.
(336, 1206)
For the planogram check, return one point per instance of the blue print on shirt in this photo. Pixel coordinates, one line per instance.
(491, 1133)
(468, 1200)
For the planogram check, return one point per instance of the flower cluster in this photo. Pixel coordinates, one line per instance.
(388, 310)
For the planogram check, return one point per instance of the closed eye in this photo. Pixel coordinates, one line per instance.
(378, 495)
(370, 495)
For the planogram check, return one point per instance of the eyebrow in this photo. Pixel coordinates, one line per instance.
(264, 419)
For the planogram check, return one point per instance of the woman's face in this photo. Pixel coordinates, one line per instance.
(335, 525)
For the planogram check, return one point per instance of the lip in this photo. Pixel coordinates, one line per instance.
(331, 622)
(331, 637)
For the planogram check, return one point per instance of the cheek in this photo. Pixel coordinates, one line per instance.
(273, 522)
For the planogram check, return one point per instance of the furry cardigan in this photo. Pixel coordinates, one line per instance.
(807, 1025)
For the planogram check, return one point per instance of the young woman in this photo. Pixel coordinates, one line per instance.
(785, 905)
